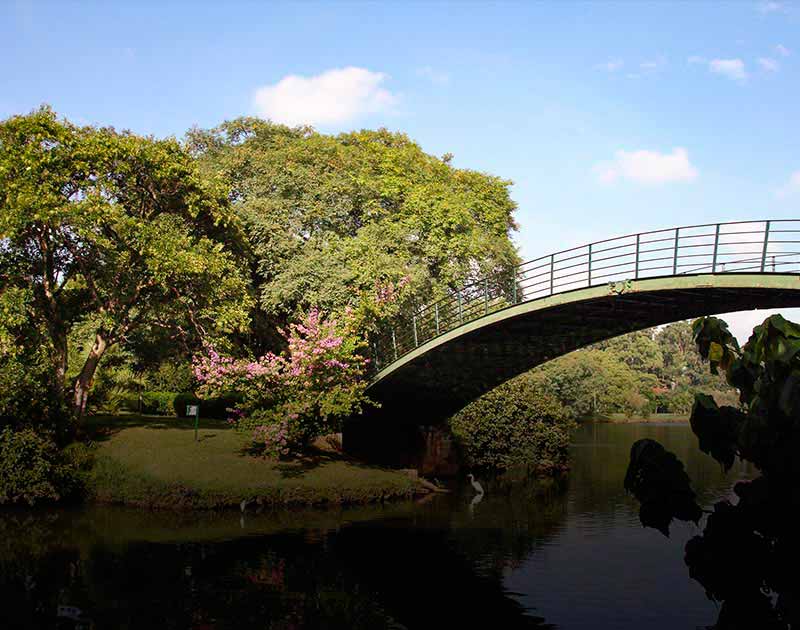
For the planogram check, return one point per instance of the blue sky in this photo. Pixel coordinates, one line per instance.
(609, 117)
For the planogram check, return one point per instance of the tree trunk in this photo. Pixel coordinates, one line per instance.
(84, 381)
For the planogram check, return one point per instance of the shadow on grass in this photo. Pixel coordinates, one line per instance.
(102, 427)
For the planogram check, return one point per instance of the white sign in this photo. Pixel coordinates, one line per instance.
(192, 410)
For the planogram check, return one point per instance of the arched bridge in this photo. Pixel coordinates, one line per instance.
(440, 357)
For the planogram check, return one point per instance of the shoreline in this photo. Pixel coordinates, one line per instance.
(153, 462)
(619, 418)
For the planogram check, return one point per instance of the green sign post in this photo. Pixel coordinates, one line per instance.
(194, 410)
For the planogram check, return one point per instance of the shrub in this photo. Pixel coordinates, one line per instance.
(159, 403)
(209, 407)
(32, 468)
(515, 424)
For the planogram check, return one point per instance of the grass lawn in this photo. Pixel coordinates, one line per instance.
(154, 461)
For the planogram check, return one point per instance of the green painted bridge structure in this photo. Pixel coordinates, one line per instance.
(433, 361)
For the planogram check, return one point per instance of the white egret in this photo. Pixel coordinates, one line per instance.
(475, 484)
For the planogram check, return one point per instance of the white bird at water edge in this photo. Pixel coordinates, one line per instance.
(475, 484)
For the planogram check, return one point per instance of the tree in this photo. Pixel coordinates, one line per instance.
(115, 229)
(515, 424)
(748, 552)
(329, 217)
(594, 382)
(638, 350)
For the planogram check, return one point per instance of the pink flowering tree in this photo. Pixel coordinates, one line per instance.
(291, 398)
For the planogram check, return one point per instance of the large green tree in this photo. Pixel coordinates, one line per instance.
(328, 217)
(117, 230)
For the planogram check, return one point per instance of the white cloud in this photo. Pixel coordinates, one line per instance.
(731, 68)
(782, 50)
(612, 65)
(771, 7)
(768, 64)
(335, 96)
(434, 76)
(647, 167)
(697, 59)
(792, 187)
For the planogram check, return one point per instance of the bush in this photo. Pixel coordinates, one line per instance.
(216, 408)
(32, 468)
(159, 403)
(515, 424)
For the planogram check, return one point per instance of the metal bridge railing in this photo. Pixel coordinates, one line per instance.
(767, 246)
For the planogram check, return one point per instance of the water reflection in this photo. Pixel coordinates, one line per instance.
(572, 554)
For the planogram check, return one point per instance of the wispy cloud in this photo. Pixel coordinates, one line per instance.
(647, 167)
(771, 7)
(612, 65)
(768, 64)
(731, 68)
(791, 188)
(434, 76)
(782, 50)
(335, 96)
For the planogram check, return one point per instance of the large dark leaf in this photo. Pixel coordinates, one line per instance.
(716, 429)
(658, 480)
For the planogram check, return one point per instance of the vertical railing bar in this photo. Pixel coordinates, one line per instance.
(436, 313)
(764, 250)
(394, 344)
(675, 254)
(590, 265)
(636, 269)
(716, 248)
(514, 287)
(460, 308)
(485, 296)
(552, 271)
(416, 339)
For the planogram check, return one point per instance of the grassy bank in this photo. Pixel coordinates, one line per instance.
(621, 418)
(152, 461)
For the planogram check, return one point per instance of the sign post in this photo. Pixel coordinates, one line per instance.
(194, 410)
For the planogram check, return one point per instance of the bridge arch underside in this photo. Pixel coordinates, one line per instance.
(435, 380)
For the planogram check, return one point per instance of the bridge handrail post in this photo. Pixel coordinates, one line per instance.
(416, 341)
(552, 271)
(590, 265)
(716, 248)
(460, 307)
(764, 249)
(636, 264)
(514, 287)
(485, 296)
(436, 313)
(394, 344)
(675, 253)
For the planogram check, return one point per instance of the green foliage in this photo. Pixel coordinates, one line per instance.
(595, 382)
(172, 376)
(158, 403)
(516, 424)
(117, 229)
(217, 408)
(747, 554)
(357, 209)
(33, 469)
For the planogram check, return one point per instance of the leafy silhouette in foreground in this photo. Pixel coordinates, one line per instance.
(657, 479)
(749, 552)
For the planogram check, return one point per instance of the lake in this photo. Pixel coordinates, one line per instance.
(537, 555)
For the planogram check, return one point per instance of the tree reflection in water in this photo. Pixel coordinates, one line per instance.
(434, 565)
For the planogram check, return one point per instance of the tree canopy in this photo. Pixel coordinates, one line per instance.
(117, 230)
(328, 217)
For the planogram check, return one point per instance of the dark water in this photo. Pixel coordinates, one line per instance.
(527, 556)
